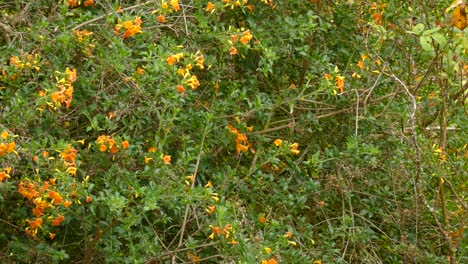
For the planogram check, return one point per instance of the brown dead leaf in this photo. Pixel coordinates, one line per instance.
(459, 16)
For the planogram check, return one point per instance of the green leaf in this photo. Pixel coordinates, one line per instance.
(426, 43)
(439, 38)
(417, 29)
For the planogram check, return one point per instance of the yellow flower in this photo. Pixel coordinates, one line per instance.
(267, 250)
(210, 210)
(193, 82)
(72, 170)
(147, 160)
(294, 149)
(199, 60)
(208, 184)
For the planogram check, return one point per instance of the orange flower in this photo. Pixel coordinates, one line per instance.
(73, 3)
(51, 235)
(170, 60)
(4, 134)
(88, 3)
(56, 197)
(128, 24)
(71, 75)
(339, 83)
(102, 148)
(152, 149)
(67, 203)
(181, 71)
(175, 5)
(180, 88)
(125, 144)
(272, 261)
(233, 51)
(246, 37)
(36, 223)
(11, 147)
(89, 199)
(217, 230)
(327, 76)
(3, 175)
(58, 220)
(360, 64)
(278, 142)
(210, 7)
(167, 159)
(140, 71)
(262, 219)
(210, 210)
(69, 155)
(161, 19)
(114, 149)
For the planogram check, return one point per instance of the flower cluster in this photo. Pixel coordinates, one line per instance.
(189, 79)
(64, 92)
(20, 65)
(76, 3)
(339, 81)
(244, 38)
(131, 27)
(242, 142)
(107, 143)
(227, 231)
(27, 61)
(6, 147)
(166, 8)
(42, 197)
(84, 40)
(69, 159)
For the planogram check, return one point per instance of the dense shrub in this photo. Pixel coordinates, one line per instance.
(252, 131)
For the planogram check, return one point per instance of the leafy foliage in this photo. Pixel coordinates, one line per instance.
(251, 131)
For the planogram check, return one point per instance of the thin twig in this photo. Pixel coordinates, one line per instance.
(181, 240)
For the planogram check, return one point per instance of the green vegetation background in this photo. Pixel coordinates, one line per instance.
(225, 131)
